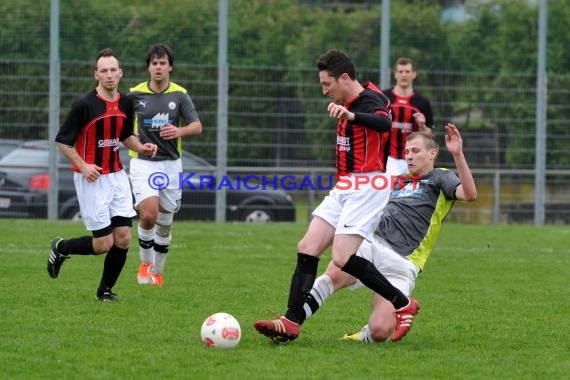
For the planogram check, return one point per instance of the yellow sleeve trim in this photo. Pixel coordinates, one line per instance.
(420, 254)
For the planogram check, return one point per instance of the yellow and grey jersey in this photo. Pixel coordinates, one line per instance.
(411, 221)
(153, 110)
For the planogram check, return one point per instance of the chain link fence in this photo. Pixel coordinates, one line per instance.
(277, 115)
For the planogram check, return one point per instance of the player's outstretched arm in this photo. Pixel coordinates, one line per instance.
(466, 191)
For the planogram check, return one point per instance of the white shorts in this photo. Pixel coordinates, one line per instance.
(110, 195)
(157, 179)
(401, 272)
(355, 204)
(396, 167)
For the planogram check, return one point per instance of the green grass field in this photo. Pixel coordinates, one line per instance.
(495, 302)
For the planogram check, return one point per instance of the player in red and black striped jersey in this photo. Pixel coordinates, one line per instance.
(94, 127)
(351, 212)
(411, 112)
(89, 138)
(361, 142)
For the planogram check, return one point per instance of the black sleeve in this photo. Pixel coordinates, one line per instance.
(127, 108)
(73, 123)
(428, 114)
(374, 121)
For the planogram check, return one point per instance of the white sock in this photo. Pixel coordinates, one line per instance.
(321, 290)
(146, 254)
(159, 261)
(160, 257)
(365, 335)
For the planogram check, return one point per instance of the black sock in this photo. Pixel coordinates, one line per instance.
(367, 273)
(76, 246)
(114, 263)
(301, 283)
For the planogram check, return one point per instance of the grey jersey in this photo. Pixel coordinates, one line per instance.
(411, 221)
(153, 110)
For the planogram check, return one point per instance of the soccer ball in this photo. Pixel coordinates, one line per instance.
(221, 330)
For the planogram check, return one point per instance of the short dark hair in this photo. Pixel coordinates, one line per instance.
(159, 51)
(107, 52)
(405, 61)
(336, 62)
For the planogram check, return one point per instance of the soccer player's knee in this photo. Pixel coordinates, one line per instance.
(147, 217)
(164, 224)
(380, 332)
(313, 249)
(122, 241)
(122, 236)
(102, 245)
(339, 261)
(312, 245)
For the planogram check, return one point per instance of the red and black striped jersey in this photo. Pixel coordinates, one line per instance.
(95, 126)
(403, 123)
(361, 149)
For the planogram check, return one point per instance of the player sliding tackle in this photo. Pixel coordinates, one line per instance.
(402, 243)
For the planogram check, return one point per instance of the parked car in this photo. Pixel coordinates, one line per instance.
(8, 145)
(24, 185)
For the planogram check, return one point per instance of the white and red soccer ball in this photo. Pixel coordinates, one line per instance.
(221, 330)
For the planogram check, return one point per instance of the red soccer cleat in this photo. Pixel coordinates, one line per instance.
(404, 319)
(143, 275)
(156, 279)
(279, 330)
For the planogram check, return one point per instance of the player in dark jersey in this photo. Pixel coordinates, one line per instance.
(165, 114)
(348, 215)
(411, 112)
(89, 138)
(406, 235)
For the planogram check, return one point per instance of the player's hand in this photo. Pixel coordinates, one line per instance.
(420, 119)
(149, 149)
(91, 172)
(169, 132)
(339, 112)
(453, 139)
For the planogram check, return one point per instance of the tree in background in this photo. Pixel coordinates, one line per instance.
(480, 70)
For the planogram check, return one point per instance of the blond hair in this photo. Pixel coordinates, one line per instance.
(429, 139)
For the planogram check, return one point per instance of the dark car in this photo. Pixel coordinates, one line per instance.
(24, 185)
